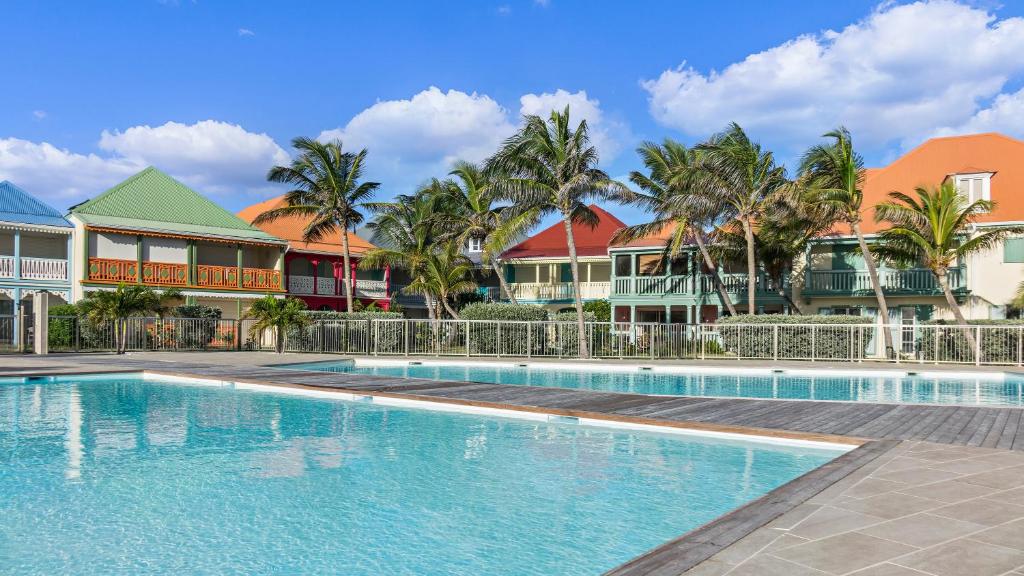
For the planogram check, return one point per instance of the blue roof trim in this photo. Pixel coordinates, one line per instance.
(18, 206)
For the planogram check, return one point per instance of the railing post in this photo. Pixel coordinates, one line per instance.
(814, 341)
(467, 338)
(407, 324)
(498, 348)
(529, 339)
(935, 351)
(700, 337)
(775, 342)
(977, 346)
(376, 335)
(1020, 334)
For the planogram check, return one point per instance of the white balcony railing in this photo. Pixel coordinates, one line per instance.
(6, 266)
(542, 291)
(371, 289)
(300, 284)
(44, 269)
(325, 285)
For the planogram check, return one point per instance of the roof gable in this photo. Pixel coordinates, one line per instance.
(20, 207)
(152, 200)
(290, 228)
(552, 242)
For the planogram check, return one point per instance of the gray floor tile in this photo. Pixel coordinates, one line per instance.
(918, 476)
(772, 566)
(922, 530)
(1015, 496)
(1002, 479)
(964, 558)
(1010, 535)
(829, 521)
(873, 487)
(984, 511)
(710, 567)
(886, 569)
(844, 553)
(892, 505)
(949, 491)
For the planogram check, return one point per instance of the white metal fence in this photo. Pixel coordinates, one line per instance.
(1001, 344)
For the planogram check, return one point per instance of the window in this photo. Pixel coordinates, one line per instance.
(650, 265)
(475, 245)
(974, 187)
(1013, 251)
(623, 265)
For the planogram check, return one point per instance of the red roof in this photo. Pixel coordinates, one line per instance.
(551, 242)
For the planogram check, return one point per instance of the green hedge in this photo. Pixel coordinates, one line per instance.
(484, 337)
(507, 312)
(350, 332)
(601, 309)
(831, 339)
(199, 334)
(997, 346)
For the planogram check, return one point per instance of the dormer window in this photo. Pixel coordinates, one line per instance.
(974, 187)
(475, 245)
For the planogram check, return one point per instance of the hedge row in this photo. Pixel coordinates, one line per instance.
(829, 338)
(997, 346)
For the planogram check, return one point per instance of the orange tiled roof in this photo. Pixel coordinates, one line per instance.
(290, 228)
(933, 161)
(552, 243)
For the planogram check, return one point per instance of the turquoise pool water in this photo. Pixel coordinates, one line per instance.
(869, 388)
(117, 475)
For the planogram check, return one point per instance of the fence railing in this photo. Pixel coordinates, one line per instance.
(918, 343)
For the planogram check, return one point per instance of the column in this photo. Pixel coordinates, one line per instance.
(352, 275)
(85, 258)
(71, 266)
(190, 262)
(668, 313)
(280, 267)
(17, 315)
(632, 314)
(138, 256)
(40, 323)
(17, 254)
(315, 263)
(239, 263)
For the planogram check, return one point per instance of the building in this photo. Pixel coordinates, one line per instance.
(35, 244)
(314, 271)
(537, 270)
(986, 166)
(646, 288)
(153, 230)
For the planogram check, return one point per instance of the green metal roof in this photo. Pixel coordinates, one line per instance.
(153, 201)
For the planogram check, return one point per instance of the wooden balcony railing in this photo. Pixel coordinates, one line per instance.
(164, 274)
(907, 281)
(209, 276)
(261, 278)
(6, 266)
(113, 270)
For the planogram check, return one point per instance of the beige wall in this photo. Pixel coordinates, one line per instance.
(167, 250)
(112, 245)
(991, 281)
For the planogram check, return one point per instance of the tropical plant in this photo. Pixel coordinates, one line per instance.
(405, 233)
(277, 314)
(475, 214)
(665, 193)
(117, 305)
(933, 229)
(831, 176)
(550, 167)
(447, 273)
(326, 190)
(735, 179)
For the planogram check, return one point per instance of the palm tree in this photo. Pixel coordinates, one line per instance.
(476, 215)
(405, 233)
(549, 167)
(278, 314)
(735, 178)
(326, 190)
(447, 273)
(933, 228)
(664, 192)
(831, 176)
(121, 303)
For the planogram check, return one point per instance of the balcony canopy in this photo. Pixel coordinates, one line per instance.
(19, 207)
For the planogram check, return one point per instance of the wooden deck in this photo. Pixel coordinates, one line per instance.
(992, 427)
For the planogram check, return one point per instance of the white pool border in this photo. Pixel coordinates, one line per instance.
(536, 416)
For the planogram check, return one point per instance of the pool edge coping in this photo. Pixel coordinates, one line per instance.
(688, 551)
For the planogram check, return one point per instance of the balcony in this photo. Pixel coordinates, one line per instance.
(46, 269)
(910, 281)
(688, 285)
(370, 288)
(325, 286)
(556, 292)
(113, 270)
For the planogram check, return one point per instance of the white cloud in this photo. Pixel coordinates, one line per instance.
(1006, 115)
(39, 114)
(411, 140)
(895, 75)
(607, 135)
(214, 157)
(245, 32)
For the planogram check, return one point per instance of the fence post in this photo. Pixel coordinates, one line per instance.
(977, 346)
(814, 341)
(700, 337)
(653, 335)
(498, 347)
(529, 339)
(860, 344)
(376, 335)
(467, 338)
(1020, 334)
(775, 342)
(407, 324)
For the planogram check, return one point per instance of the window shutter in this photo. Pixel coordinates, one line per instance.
(1013, 250)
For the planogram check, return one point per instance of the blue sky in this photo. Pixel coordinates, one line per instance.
(212, 92)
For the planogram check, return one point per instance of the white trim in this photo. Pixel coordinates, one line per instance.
(5, 225)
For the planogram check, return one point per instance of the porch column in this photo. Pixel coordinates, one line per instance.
(71, 268)
(239, 262)
(632, 314)
(17, 318)
(352, 275)
(138, 256)
(588, 273)
(85, 258)
(190, 262)
(316, 264)
(281, 268)
(668, 313)
(17, 254)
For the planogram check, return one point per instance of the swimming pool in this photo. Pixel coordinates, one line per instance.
(125, 475)
(982, 388)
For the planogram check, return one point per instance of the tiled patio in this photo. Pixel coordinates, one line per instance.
(921, 509)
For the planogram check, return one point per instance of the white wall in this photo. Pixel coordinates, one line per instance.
(111, 245)
(991, 281)
(167, 250)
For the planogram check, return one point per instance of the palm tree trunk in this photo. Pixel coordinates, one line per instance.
(883, 309)
(577, 300)
(502, 283)
(451, 311)
(785, 296)
(279, 341)
(119, 335)
(748, 232)
(715, 278)
(955, 309)
(347, 273)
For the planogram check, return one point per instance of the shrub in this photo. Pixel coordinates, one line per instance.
(61, 331)
(331, 331)
(198, 327)
(819, 337)
(601, 309)
(997, 345)
(514, 337)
